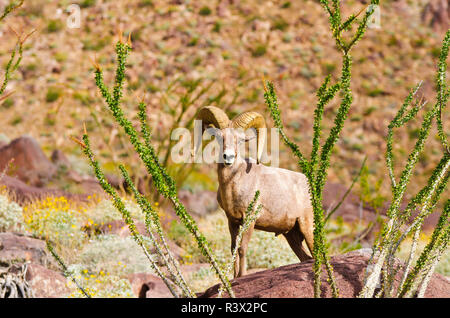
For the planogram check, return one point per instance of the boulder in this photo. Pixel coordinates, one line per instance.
(17, 248)
(28, 171)
(23, 193)
(46, 283)
(436, 14)
(24, 159)
(199, 203)
(296, 280)
(146, 285)
(60, 159)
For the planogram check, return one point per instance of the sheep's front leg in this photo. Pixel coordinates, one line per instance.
(242, 250)
(234, 231)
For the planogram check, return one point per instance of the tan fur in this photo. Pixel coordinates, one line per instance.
(284, 195)
(286, 205)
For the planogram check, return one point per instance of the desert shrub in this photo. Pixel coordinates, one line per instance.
(104, 212)
(344, 236)
(79, 165)
(416, 273)
(87, 3)
(8, 102)
(54, 26)
(95, 44)
(205, 11)
(56, 219)
(17, 52)
(443, 267)
(405, 248)
(179, 234)
(279, 23)
(53, 93)
(146, 3)
(269, 251)
(161, 180)
(265, 250)
(16, 120)
(316, 167)
(202, 279)
(128, 258)
(11, 217)
(259, 50)
(99, 284)
(4, 138)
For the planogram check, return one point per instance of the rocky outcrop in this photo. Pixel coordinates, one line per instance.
(28, 170)
(199, 203)
(60, 159)
(46, 283)
(23, 193)
(17, 248)
(296, 280)
(24, 159)
(23, 264)
(147, 285)
(437, 14)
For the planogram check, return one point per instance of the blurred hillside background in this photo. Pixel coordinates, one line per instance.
(188, 54)
(226, 44)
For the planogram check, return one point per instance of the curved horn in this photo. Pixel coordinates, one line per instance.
(211, 116)
(253, 120)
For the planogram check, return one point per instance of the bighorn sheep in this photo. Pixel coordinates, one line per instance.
(285, 199)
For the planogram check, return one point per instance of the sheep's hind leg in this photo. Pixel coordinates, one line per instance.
(295, 239)
(306, 228)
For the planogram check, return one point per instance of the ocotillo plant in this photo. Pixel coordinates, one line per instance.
(317, 166)
(118, 203)
(195, 94)
(66, 271)
(176, 101)
(381, 266)
(250, 216)
(16, 54)
(162, 181)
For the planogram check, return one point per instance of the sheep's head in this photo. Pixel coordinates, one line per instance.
(232, 131)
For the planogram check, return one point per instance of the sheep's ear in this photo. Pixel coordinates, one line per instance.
(248, 138)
